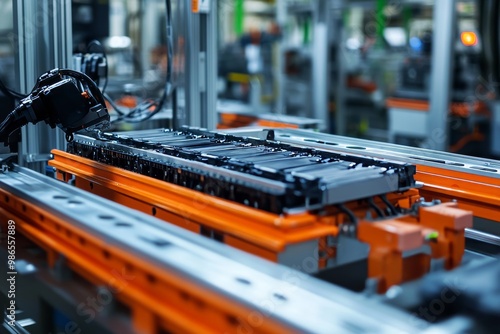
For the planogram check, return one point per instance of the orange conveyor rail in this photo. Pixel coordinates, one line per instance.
(175, 281)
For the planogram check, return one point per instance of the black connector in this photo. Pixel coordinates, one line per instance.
(59, 102)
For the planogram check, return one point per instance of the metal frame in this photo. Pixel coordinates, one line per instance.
(444, 17)
(201, 67)
(44, 38)
(320, 68)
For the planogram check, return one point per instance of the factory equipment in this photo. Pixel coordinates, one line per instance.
(297, 231)
(85, 264)
(287, 201)
(319, 204)
(50, 100)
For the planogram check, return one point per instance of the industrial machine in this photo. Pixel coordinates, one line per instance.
(87, 264)
(54, 93)
(379, 220)
(270, 230)
(387, 227)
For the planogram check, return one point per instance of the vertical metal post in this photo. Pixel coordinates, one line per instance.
(201, 68)
(279, 56)
(149, 32)
(320, 62)
(210, 30)
(192, 83)
(340, 63)
(495, 127)
(44, 41)
(441, 76)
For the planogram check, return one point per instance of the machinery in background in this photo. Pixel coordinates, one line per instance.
(245, 68)
(469, 115)
(233, 114)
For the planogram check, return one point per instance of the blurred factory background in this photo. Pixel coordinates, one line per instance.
(411, 72)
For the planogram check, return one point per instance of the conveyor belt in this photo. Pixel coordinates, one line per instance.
(264, 174)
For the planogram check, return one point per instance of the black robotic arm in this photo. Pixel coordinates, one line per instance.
(61, 97)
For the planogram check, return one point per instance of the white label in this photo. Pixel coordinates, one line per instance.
(204, 6)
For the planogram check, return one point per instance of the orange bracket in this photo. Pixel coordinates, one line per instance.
(450, 222)
(388, 240)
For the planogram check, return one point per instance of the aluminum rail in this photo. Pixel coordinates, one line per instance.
(267, 291)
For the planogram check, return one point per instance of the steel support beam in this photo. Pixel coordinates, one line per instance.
(44, 41)
(441, 76)
(279, 59)
(341, 60)
(201, 68)
(320, 62)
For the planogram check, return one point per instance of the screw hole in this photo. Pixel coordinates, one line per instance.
(153, 211)
(151, 279)
(59, 197)
(105, 217)
(185, 295)
(232, 320)
(243, 281)
(158, 242)
(91, 185)
(123, 224)
(279, 296)
(24, 208)
(7, 198)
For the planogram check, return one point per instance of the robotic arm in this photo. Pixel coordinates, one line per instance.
(66, 98)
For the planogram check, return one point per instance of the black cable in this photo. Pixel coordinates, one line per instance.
(374, 206)
(91, 85)
(10, 124)
(349, 214)
(96, 43)
(136, 115)
(174, 111)
(10, 93)
(113, 104)
(389, 205)
(353, 221)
